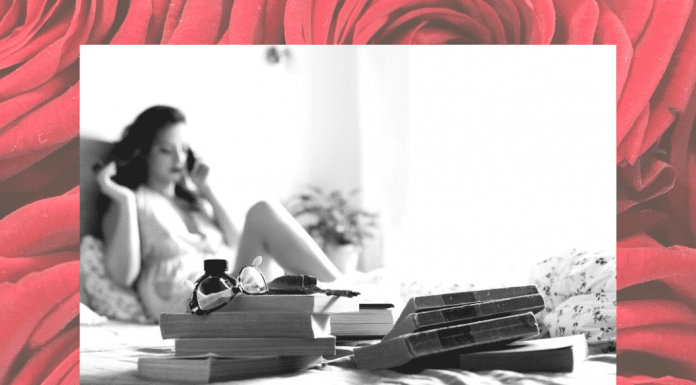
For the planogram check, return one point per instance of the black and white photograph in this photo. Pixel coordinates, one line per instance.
(347, 215)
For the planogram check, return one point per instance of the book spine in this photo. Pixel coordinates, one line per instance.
(556, 361)
(399, 351)
(244, 325)
(255, 347)
(452, 299)
(453, 337)
(533, 303)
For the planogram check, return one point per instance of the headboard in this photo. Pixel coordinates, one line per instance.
(91, 152)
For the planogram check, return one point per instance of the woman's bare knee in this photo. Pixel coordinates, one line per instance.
(259, 211)
(266, 210)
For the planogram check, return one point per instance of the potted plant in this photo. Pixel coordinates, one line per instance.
(335, 222)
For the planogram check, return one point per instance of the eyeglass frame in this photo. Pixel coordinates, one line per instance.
(236, 289)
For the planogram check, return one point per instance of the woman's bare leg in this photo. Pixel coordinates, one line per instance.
(270, 230)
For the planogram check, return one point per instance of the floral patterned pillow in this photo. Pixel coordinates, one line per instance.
(104, 296)
(579, 290)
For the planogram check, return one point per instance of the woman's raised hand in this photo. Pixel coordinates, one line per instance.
(110, 188)
(199, 177)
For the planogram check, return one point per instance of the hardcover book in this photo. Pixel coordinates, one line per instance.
(256, 347)
(244, 325)
(440, 301)
(365, 324)
(467, 313)
(292, 303)
(560, 354)
(214, 369)
(400, 350)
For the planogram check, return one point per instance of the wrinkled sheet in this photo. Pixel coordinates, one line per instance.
(109, 355)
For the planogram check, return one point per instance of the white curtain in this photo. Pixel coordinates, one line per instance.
(484, 161)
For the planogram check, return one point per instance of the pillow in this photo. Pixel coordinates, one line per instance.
(89, 317)
(579, 290)
(105, 296)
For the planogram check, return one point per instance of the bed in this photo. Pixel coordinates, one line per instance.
(109, 349)
(109, 355)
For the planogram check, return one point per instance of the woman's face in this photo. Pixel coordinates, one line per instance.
(166, 162)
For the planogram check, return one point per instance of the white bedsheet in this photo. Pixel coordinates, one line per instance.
(109, 355)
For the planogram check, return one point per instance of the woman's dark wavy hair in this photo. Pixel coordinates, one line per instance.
(131, 153)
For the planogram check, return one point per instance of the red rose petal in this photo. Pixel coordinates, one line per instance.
(672, 95)
(485, 15)
(34, 19)
(73, 376)
(74, 191)
(30, 299)
(256, 22)
(134, 27)
(389, 12)
(19, 105)
(510, 17)
(307, 22)
(199, 24)
(637, 240)
(632, 142)
(642, 313)
(63, 369)
(14, 269)
(680, 200)
(176, 7)
(294, 21)
(13, 166)
(404, 34)
(430, 34)
(223, 33)
(672, 342)
(576, 21)
(538, 20)
(347, 17)
(635, 221)
(60, 186)
(645, 180)
(634, 15)
(105, 15)
(157, 19)
(10, 18)
(56, 319)
(451, 23)
(640, 265)
(650, 59)
(611, 31)
(42, 226)
(53, 58)
(322, 18)
(43, 361)
(36, 44)
(58, 164)
(46, 128)
(545, 17)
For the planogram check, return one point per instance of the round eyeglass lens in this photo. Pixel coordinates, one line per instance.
(251, 281)
(213, 292)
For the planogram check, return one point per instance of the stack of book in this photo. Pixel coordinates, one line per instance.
(477, 330)
(372, 322)
(251, 336)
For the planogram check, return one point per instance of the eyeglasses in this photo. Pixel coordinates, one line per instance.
(216, 289)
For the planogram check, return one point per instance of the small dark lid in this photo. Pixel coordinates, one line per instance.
(218, 266)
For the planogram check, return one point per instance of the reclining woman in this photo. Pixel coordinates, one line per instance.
(158, 231)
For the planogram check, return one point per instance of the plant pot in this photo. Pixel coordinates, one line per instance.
(345, 257)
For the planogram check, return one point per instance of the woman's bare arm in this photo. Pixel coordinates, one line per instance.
(229, 231)
(122, 241)
(199, 176)
(121, 233)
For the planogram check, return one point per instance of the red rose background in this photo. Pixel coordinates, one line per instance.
(39, 152)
